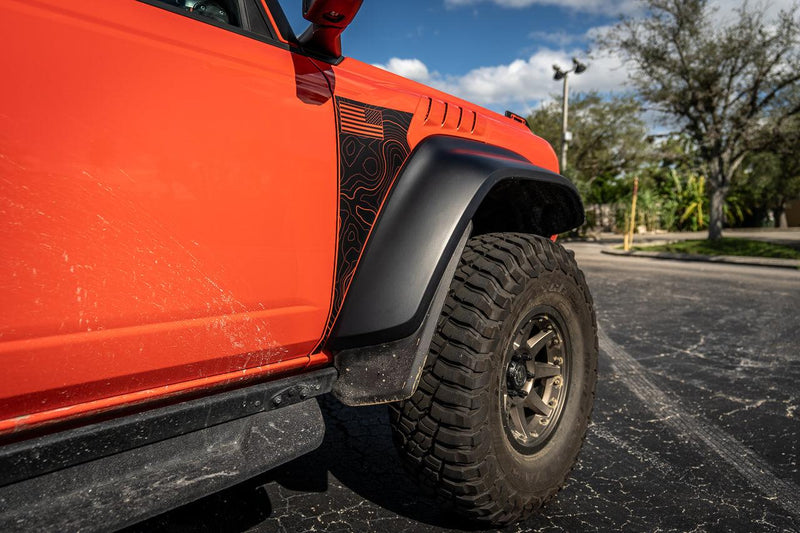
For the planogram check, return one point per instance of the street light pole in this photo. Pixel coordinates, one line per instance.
(566, 137)
(564, 131)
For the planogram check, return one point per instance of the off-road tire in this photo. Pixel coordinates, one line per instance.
(451, 432)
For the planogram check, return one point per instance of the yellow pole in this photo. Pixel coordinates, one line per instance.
(629, 236)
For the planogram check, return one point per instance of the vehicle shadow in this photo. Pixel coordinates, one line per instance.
(356, 461)
(358, 453)
(238, 508)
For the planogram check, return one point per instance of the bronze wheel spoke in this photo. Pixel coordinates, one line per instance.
(518, 420)
(545, 370)
(535, 402)
(536, 380)
(539, 341)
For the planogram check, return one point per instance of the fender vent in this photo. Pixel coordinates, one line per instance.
(449, 117)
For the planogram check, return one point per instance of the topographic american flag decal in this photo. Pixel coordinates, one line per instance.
(359, 119)
(373, 145)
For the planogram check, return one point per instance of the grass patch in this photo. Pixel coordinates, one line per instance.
(726, 246)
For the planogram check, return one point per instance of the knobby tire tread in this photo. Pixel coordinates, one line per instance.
(438, 430)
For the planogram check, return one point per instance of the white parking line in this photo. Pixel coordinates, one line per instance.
(667, 408)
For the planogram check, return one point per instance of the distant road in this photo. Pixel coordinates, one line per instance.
(787, 236)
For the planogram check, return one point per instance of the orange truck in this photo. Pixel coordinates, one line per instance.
(208, 221)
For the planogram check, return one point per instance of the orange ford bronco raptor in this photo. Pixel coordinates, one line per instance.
(208, 220)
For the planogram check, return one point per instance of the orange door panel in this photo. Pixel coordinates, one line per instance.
(168, 199)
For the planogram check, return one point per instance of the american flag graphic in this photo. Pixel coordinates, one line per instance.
(360, 120)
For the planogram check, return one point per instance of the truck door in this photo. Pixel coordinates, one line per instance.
(168, 196)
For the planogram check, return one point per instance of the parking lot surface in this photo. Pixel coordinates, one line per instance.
(695, 426)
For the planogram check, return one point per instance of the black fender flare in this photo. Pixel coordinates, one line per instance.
(441, 192)
(437, 193)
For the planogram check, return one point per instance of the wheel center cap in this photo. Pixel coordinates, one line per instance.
(517, 375)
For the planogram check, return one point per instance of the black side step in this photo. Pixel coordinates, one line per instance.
(158, 464)
(34, 457)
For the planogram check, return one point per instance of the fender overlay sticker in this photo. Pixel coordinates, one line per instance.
(373, 146)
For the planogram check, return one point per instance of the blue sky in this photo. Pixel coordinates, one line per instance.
(456, 39)
(497, 53)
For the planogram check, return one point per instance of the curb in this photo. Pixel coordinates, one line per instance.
(724, 259)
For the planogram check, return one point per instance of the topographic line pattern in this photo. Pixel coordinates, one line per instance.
(368, 166)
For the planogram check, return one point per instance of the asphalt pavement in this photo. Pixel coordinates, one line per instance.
(696, 423)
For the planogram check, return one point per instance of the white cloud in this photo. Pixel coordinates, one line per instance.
(519, 84)
(526, 80)
(625, 7)
(524, 83)
(413, 69)
(726, 10)
(558, 38)
(605, 7)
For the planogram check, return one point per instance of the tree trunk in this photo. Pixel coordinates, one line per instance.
(780, 217)
(716, 216)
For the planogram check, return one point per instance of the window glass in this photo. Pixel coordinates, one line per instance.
(293, 9)
(221, 11)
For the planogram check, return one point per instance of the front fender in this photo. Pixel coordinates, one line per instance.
(438, 192)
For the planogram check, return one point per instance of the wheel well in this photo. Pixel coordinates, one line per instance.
(527, 206)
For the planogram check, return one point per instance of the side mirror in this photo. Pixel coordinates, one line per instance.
(328, 19)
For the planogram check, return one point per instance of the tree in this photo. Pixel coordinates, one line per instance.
(609, 139)
(717, 81)
(771, 176)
